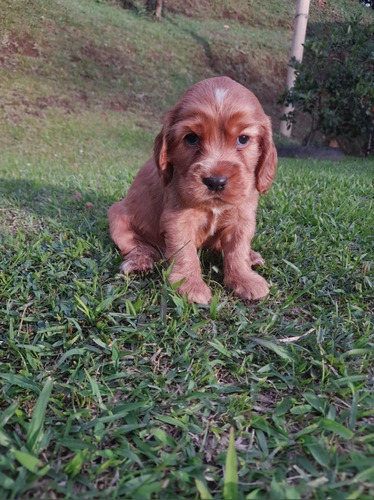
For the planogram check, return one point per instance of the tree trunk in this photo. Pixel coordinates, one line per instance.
(158, 10)
(297, 49)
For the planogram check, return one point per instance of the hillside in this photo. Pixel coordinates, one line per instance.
(115, 386)
(61, 59)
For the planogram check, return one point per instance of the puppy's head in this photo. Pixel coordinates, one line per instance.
(216, 145)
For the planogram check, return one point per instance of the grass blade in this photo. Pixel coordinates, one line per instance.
(336, 428)
(73, 467)
(28, 461)
(365, 475)
(316, 402)
(8, 413)
(280, 351)
(318, 452)
(20, 381)
(35, 429)
(230, 487)
(203, 490)
(353, 411)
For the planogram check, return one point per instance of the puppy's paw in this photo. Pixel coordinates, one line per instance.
(249, 286)
(140, 263)
(197, 291)
(256, 259)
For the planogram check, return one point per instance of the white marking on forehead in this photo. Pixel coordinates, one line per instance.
(220, 95)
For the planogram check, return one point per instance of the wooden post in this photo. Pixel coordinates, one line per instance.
(297, 49)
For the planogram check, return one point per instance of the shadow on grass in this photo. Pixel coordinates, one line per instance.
(34, 209)
(45, 200)
(30, 210)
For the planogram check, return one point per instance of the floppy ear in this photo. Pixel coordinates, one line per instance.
(267, 165)
(164, 167)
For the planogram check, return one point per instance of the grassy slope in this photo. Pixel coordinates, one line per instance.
(146, 387)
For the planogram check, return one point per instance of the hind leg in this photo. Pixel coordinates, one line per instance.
(138, 254)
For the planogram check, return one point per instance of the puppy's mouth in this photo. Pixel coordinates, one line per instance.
(219, 199)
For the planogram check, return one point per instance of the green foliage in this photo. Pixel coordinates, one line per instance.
(335, 82)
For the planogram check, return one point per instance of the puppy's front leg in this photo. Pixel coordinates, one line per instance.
(239, 276)
(179, 230)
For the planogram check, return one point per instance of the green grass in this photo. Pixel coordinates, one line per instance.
(115, 387)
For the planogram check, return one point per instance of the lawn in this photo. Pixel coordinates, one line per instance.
(115, 387)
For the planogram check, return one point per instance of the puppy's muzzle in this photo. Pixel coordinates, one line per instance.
(215, 183)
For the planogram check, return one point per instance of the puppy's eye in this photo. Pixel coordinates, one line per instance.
(242, 140)
(191, 139)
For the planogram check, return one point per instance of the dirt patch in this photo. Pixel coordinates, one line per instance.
(241, 11)
(17, 106)
(209, 10)
(12, 43)
(107, 57)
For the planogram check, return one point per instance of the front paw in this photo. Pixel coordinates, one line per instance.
(250, 286)
(197, 291)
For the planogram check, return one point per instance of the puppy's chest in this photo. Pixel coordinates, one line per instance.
(210, 230)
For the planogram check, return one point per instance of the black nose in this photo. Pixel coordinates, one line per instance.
(215, 183)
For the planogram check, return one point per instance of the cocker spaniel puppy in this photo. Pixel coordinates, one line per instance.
(212, 159)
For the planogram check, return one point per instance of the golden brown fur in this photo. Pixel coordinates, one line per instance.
(212, 158)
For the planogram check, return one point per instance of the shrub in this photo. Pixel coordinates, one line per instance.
(335, 84)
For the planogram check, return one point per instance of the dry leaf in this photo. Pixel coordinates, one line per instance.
(77, 196)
